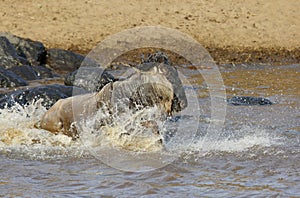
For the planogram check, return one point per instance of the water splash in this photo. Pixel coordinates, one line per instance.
(240, 140)
(132, 130)
(18, 136)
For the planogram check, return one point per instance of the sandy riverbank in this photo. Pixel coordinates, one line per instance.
(232, 30)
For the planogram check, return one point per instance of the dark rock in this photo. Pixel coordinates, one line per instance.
(92, 79)
(63, 61)
(33, 51)
(10, 79)
(43, 72)
(248, 100)
(26, 72)
(8, 55)
(49, 93)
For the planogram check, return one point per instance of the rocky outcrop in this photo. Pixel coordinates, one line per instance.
(8, 55)
(26, 72)
(63, 61)
(43, 72)
(92, 79)
(21, 59)
(33, 51)
(10, 79)
(49, 94)
(29, 60)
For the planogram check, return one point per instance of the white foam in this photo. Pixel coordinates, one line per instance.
(240, 140)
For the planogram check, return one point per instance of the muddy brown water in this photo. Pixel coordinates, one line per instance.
(258, 153)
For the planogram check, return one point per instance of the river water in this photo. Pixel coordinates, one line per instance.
(257, 153)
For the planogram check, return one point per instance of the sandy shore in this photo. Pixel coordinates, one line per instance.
(229, 29)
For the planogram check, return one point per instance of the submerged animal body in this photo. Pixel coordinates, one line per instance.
(153, 84)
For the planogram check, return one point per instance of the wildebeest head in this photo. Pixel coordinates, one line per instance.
(160, 84)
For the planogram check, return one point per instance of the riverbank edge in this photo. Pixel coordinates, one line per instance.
(241, 55)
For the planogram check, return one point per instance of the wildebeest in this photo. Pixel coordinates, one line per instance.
(154, 83)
